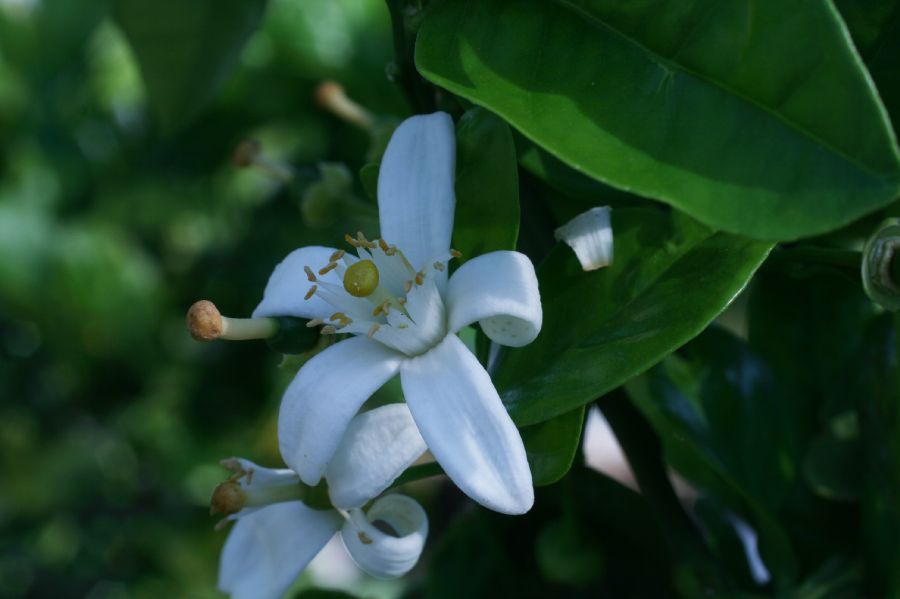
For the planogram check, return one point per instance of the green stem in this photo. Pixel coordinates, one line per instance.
(419, 472)
(404, 48)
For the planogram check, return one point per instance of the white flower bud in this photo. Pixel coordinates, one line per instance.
(590, 235)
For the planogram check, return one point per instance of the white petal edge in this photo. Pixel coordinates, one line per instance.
(380, 554)
(590, 236)
(466, 427)
(324, 396)
(288, 285)
(416, 201)
(267, 550)
(377, 447)
(499, 290)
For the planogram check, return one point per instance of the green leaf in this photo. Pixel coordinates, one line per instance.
(719, 415)
(487, 185)
(875, 27)
(756, 118)
(368, 177)
(551, 446)
(671, 277)
(186, 50)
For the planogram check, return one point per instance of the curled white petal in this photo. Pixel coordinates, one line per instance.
(498, 290)
(466, 427)
(324, 396)
(416, 200)
(288, 285)
(266, 550)
(387, 541)
(377, 447)
(590, 235)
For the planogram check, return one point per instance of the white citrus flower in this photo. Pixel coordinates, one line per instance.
(395, 297)
(276, 534)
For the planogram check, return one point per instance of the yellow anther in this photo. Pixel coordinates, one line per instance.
(311, 292)
(314, 322)
(349, 239)
(328, 330)
(455, 253)
(384, 246)
(309, 274)
(374, 329)
(386, 307)
(420, 278)
(407, 286)
(361, 278)
(377, 310)
(342, 318)
(402, 301)
(439, 266)
(327, 268)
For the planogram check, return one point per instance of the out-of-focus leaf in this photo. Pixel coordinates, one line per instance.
(368, 177)
(487, 185)
(551, 446)
(671, 277)
(719, 416)
(186, 50)
(836, 579)
(831, 467)
(683, 102)
(323, 594)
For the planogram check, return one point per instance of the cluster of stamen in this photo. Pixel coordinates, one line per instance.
(385, 287)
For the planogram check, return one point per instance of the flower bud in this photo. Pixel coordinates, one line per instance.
(331, 96)
(206, 323)
(881, 265)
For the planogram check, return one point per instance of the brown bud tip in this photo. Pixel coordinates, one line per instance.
(227, 499)
(246, 153)
(204, 321)
(328, 92)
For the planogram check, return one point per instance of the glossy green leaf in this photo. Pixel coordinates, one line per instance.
(551, 446)
(487, 185)
(719, 415)
(671, 277)
(753, 117)
(186, 50)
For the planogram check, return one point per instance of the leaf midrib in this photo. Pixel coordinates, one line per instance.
(666, 63)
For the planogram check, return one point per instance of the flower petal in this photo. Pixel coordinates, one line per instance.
(416, 201)
(324, 396)
(288, 285)
(267, 550)
(466, 427)
(500, 291)
(377, 447)
(590, 236)
(379, 553)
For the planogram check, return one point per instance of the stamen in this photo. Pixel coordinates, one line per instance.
(439, 266)
(386, 307)
(342, 318)
(402, 301)
(373, 329)
(377, 310)
(407, 286)
(384, 246)
(420, 278)
(455, 253)
(329, 330)
(327, 268)
(337, 255)
(309, 274)
(350, 240)
(311, 292)
(314, 322)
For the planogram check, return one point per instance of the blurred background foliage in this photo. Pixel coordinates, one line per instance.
(120, 206)
(112, 419)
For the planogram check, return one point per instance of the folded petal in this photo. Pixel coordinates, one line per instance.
(387, 541)
(415, 187)
(324, 396)
(466, 427)
(377, 447)
(590, 236)
(267, 550)
(498, 290)
(288, 285)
